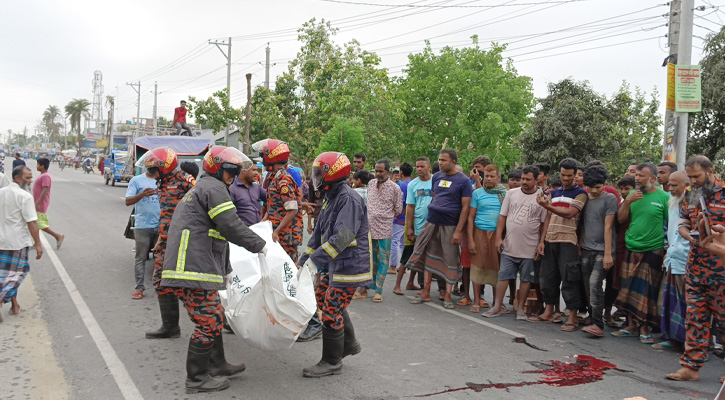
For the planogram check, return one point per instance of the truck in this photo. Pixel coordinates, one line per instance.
(118, 168)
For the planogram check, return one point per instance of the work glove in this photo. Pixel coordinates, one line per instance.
(264, 251)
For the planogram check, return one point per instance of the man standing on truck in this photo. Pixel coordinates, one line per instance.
(179, 121)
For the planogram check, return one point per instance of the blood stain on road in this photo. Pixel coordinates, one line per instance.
(584, 370)
(523, 340)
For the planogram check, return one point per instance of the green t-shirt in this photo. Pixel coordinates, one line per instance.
(647, 216)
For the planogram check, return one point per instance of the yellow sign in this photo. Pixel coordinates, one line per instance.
(670, 86)
(101, 143)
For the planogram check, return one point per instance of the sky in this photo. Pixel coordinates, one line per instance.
(50, 49)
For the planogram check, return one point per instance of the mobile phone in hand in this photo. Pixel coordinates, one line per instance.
(705, 216)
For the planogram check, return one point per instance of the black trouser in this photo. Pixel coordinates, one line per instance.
(561, 273)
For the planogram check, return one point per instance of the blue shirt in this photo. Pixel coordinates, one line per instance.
(448, 191)
(419, 194)
(487, 208)
(679, 248)
(148, 210)
(400, 219)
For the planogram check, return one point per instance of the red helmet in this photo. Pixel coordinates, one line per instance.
(162, 158)
(272, 151)
(330, 167)
(219, 157)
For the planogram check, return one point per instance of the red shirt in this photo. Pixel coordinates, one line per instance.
(180, 115)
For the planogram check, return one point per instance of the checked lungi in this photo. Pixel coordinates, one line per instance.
(435, 253)
(641, 277)
(381, 262)
(13, 268)
(674, 308)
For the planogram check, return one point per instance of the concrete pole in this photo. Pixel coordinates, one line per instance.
(684, 57)
(266, 68)
(156, 92)
(248, 114)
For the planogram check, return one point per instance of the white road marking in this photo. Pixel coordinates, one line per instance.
(115, 366)
(99, 190)
(81, 183)
(474, 319)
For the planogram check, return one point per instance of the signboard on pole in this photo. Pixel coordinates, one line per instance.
(670, 150)
(688, 98)
(670, 86)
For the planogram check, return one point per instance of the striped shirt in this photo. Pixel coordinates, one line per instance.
(563, 230)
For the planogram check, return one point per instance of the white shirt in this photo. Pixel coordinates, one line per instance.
(17, 209)
(4, 181)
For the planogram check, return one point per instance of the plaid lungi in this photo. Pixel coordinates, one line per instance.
(13, 268)
(641, 277)
(674, 308)
(435, 253)
(485, 263)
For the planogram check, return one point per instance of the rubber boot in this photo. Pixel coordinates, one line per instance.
(313, 330)
(169, 307)
(333, 344)
(218, 365)
(352, 346)
(197, 370)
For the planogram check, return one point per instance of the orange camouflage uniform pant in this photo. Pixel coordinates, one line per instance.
(332, 301)
(205, 311)
(705, 301)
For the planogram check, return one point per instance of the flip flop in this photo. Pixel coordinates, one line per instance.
(557, 319)
(60, 242)
(722, 379)
(464, 302)
(679, 376)
(378, 298)
(418, 300)
(522, 317)
(646, 339)
(623, 333)
(505, 310)
(449, 306)
(483, 304)
(358, 296)
(537, 318)
(593, 330)
(137, 295)
(569, 327)
(475, 308)
(398, 293)
(491, 314)
(662, 345)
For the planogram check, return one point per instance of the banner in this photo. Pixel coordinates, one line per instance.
(670, 86)
(688, 98)
(670, 150)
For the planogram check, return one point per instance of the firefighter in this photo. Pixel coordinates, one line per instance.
(198, 261)
(342, 259)
(173, 184)
(283, 196)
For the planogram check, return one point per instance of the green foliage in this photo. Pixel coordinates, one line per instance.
(266, 119)
(575, 121)
(470, 97)
(346, 136)
(75, 110)
(215, 112)
(708, 127)
(51, 127)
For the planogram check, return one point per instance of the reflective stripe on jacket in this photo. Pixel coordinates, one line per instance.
(340, 243)
(197, 252)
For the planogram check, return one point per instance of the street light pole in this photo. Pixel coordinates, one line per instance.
(684, 57)
(228, 56)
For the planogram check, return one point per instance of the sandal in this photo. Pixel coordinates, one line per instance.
(684, 374)
(491, 314)
(569, 327)
(623, 333)
(522, 317)
(646, 339)
(358, 296)
(557, 319)
(537, 318)
(505, 310)
(662, 345)
(464, 302)
(475, 308)
(137, 295)
(483, 304)
(722, 379)
(418, 300)
(378, 298)
(593, 330)
(449, 306)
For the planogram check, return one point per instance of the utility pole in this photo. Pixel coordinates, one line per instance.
(228, 56)
(137, 88)
(669, 150)
(266, 68)
(684, 57)
(156, 92)
(248, 113)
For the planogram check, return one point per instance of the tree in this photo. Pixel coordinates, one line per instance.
(77, 109)
(267, 120)
(575, 121)
(346, 136)
(708, 127)
(468, 97)
(51, 127)
(215, 112)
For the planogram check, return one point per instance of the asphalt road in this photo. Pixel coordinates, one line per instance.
(80, 336)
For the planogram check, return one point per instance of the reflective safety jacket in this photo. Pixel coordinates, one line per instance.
(197, 252)
(340, 244)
